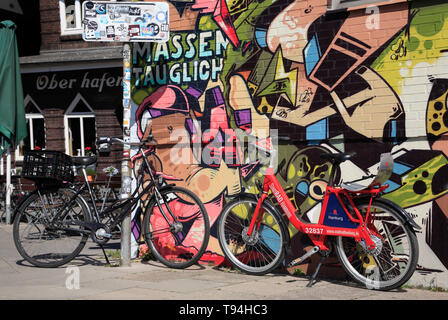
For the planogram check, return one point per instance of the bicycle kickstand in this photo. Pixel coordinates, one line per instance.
(105, 255)
(314, 276)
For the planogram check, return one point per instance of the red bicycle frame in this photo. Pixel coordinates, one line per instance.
(333, 209)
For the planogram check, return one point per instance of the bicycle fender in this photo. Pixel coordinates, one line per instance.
(19, 204)
(275, 211)
(87, 207)
(400, 211)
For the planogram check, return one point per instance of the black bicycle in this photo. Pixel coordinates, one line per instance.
(53, 223)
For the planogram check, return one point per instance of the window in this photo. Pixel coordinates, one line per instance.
(70, 14)
(36, 129)
(80, 127)
(343, 4)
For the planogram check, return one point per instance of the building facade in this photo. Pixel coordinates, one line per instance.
(334, 76)
(363, 76)
(72, 88)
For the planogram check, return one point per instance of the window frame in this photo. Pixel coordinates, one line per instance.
(62, 14)
(69, 114)
(30, 117)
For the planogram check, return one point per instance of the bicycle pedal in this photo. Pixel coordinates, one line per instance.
(304, 257)
(294, 262)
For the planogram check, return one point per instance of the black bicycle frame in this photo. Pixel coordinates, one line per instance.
(125, 206)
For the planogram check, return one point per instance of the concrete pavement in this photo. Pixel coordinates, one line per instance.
(151, 280)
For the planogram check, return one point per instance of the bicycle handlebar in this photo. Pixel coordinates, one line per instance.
(104, 143)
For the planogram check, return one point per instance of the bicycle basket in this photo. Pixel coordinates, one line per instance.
(46, 165)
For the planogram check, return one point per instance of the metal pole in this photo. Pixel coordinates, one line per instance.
(125, 252)
(8, 186)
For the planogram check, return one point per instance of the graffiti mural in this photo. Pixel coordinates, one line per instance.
(368, 80)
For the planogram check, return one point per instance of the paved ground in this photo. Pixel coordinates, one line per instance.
(151, 280)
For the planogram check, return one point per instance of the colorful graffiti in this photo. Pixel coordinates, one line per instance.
(369, 80)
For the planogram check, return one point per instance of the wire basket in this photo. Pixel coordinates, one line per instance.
(48, 166)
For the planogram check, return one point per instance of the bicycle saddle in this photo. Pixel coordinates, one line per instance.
(337, 157)
(385, 170)
(84, 161)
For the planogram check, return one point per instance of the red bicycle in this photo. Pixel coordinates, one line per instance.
(374, 239)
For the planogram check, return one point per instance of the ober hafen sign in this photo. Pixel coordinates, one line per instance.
(88, 81)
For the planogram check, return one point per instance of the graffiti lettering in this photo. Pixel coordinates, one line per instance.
(203, 44)
(187, 57)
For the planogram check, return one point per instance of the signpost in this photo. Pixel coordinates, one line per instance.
(125, 22)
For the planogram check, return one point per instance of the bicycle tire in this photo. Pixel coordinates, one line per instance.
(399, 251)
(182, 248)
(251, 256)
(31, 217)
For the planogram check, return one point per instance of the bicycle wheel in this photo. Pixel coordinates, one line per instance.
(395, 261)
(46, 244)
(183, 243)
(258, 254)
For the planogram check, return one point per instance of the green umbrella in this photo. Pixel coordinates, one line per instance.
(13, 128)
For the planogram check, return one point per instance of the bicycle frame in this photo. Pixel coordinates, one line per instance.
(126, 206)
(318, 232)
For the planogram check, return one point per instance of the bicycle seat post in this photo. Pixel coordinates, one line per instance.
(335, 164)
(89, 189)
(335, 159)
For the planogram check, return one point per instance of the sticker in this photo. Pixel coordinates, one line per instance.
(161, 16)
(90, 14)
(122, 38)
(89, 5)
(126, 103)
(126, 90)
(164, 27)
(134, 11)
(134, 30)
(151, 29)
(122, 29)
(91, 34)
(92, 25)
(139, 20)
(112, 21)
(127, 114)
(103, 20)
(101, 8)
(110, 31)
(148, 16)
